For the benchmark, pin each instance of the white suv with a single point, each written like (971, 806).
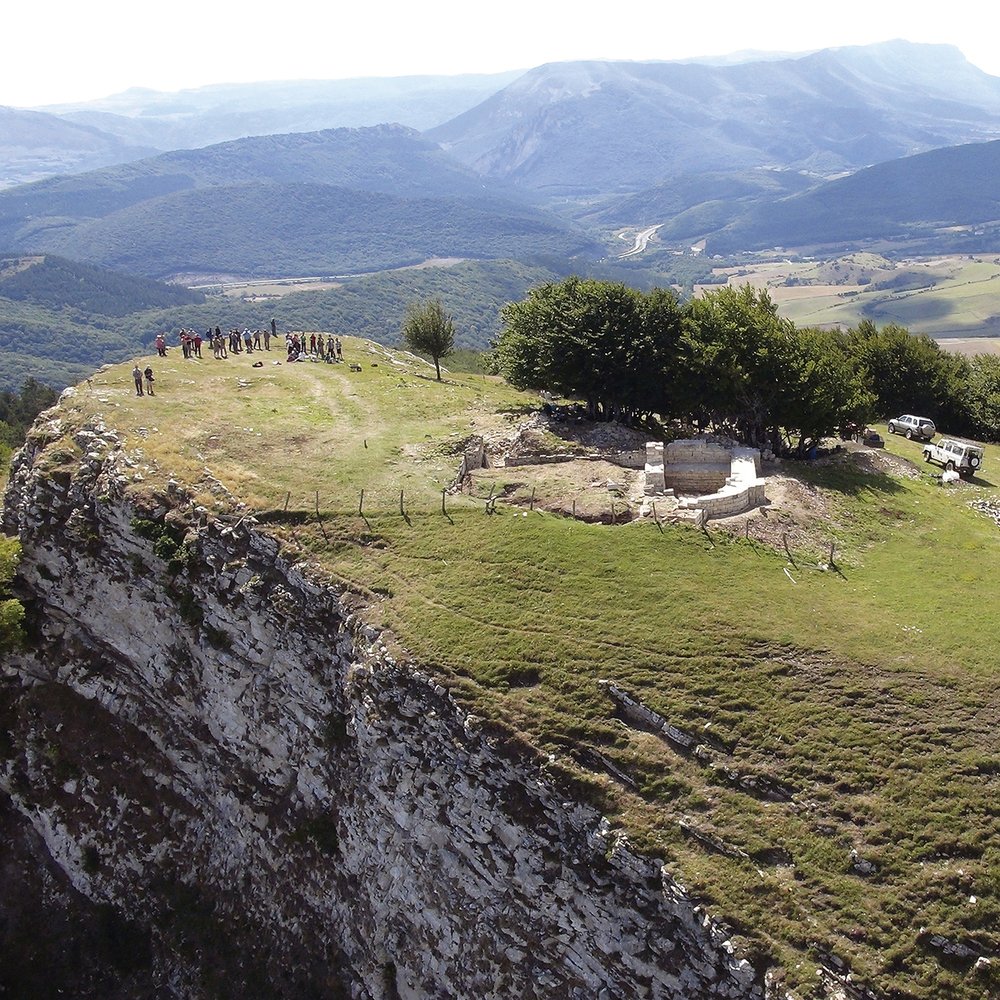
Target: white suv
(965, 459)
(913, 427)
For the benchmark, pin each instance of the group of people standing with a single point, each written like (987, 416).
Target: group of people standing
(139, 376)
(247, 341)
(238, 342)
(297, 346)
(298, 349)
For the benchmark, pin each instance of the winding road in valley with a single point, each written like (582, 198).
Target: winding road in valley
(641, 239)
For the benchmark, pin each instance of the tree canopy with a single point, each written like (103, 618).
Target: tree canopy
(429, 330)
(598, 340)
(728, 361)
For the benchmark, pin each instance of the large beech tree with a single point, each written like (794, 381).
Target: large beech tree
(599, 341)
(756, 376)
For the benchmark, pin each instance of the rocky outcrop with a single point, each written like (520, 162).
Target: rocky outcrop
(209, 746)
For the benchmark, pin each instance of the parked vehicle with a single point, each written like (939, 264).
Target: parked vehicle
(965, 459)
(913, 427)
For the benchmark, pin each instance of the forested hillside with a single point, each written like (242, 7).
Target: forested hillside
(275, 230)
(373, 307)
(390, 158)
(905, 199)
(343, 201)
(61, 344)
(62, 285)
(60, 320)
(689, 205)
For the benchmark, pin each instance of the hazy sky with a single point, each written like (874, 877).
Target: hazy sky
(66, 50)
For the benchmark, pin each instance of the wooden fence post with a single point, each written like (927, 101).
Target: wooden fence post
(788, 551)
(320, 519)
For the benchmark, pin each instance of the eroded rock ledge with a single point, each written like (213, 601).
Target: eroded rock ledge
(212, 749)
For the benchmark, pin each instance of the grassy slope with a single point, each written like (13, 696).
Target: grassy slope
(870, 692)
(946, 297)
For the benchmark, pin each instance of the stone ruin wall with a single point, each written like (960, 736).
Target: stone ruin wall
(718, 479)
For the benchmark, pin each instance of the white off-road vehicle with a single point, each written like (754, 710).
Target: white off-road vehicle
(965, 459)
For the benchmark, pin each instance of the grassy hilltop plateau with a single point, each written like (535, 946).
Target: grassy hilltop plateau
(841, 811)
(794, 709)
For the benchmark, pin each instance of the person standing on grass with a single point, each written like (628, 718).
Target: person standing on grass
(256, 340)
(340, 353)
(137, 375)
(197, 344)
(149, 379)
(161, 345)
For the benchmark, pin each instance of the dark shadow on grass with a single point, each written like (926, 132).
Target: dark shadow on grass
(851, 476)
(524, 410)
(288, 517)
(980, 481)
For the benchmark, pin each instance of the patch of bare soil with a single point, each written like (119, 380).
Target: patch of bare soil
(589, 489)
(576, 476)
(801, 515)
(566, 467)
(796, 514)
(878, 461)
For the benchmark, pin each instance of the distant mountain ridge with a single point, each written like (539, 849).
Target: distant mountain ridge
(35, 145)
(333, 202)
(575, 128)
(722, 153)
(70, 138)
(201, 116)
(586, 128)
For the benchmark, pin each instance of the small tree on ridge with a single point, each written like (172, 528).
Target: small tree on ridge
(428, 329)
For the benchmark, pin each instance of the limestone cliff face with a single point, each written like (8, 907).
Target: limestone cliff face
(208, 750)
